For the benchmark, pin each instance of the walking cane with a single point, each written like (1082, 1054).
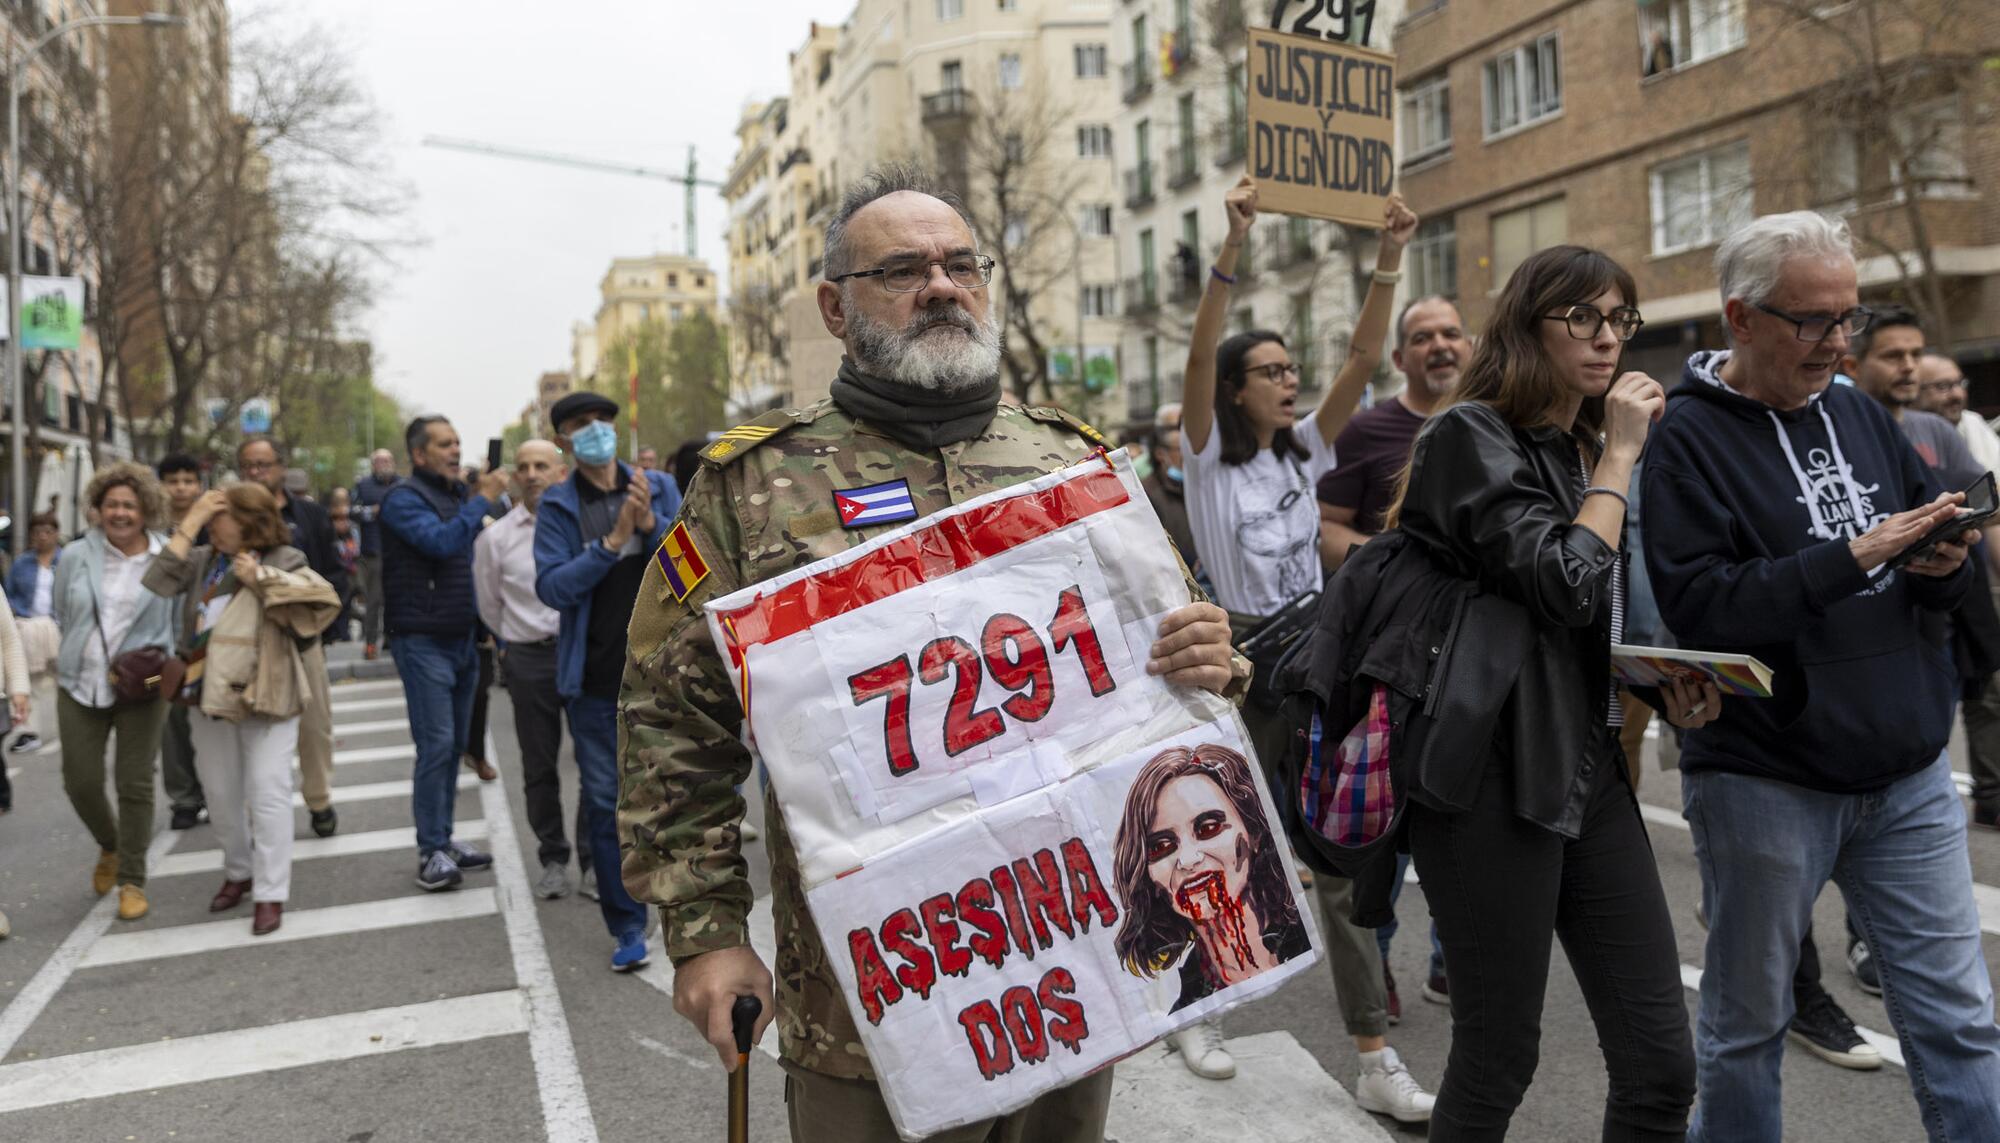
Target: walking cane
(742, 1019)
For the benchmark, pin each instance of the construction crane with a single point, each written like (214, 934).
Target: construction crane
(688, 181)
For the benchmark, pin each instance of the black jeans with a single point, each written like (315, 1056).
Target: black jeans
(1499, 888)
(538, 715)
(475, 738)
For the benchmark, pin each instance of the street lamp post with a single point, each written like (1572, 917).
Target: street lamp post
(17, 245)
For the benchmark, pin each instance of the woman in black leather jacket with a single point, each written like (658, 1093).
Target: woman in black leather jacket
(1520, 485)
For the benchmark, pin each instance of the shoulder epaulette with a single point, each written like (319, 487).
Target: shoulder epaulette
(1063, 417)
(730, 446)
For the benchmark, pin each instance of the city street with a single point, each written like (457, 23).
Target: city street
(380, 1013)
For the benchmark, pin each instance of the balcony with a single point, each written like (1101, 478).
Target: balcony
(1183, 289)
(1139, 187)
(1182, 170)
(793, 158)
(1138, 79)
(1142, 296)
(1180, 53)
(948, 108)
(1231, 143)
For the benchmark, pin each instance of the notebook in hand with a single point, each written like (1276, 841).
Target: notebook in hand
(1656, 666)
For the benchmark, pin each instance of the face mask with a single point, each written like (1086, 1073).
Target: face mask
(1174, 474)
(594, 443)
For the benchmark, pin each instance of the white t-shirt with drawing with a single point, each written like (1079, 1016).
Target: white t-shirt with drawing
(1256, 525)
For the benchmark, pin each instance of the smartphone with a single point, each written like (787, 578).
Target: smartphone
(1980, 505)
(492, 454)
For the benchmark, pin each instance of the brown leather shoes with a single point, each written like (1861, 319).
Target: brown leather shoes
(267, 918)
(229, 896)
(481, 767)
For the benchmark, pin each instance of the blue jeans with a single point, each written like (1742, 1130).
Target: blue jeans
(1387, 932)
(439, 674)
(1899, 857)
(593, 732)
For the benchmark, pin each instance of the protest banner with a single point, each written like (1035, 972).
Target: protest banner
(1027, 856)
(1322, 127)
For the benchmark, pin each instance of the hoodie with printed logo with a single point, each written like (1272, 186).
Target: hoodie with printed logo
(1749, 511)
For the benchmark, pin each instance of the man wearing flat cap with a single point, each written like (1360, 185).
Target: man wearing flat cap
(594, 534)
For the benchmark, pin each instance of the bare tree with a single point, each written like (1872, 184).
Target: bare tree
(1008, 169)
(1888, 123)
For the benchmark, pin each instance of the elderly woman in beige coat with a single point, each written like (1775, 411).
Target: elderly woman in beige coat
(248, 603)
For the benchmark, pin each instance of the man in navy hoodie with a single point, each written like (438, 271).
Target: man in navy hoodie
(593, 535)
(1774, 503)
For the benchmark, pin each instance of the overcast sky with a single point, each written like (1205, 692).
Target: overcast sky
(512, 252)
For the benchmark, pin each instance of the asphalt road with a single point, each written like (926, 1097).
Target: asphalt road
(484, 1014)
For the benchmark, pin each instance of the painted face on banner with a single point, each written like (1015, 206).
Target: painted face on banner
(1196, 849)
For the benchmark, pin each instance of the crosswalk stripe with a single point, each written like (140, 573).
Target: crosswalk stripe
(404, 753)
(383, 726)
(378, 791)
(253, 1051)
(1891, 1050)
(41, 988)
(1986, 897)
(311, 848)
(333, 921)
(359, 705)
(344, 691)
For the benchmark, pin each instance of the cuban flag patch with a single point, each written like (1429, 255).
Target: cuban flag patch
(886, 503)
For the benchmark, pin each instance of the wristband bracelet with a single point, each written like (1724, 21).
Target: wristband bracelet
(1600, 490)
(1388, 277)
(1219, 276)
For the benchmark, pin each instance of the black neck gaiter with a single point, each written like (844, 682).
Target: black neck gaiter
(915, 417)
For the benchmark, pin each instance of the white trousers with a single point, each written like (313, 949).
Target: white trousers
(246, 773)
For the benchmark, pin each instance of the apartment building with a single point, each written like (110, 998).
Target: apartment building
(1654, 130)
(1180, 139)
(661, 288)
(995, 95)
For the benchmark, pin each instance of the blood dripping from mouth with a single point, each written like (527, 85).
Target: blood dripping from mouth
(1218, 917)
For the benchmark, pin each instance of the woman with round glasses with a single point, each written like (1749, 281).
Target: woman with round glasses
(1520, 484)
(1251, 463)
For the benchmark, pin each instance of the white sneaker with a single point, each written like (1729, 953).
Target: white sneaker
(5, 928)
(750, 832)
(1202, 1049)
(1386, 1087)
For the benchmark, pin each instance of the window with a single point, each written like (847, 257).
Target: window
(951, 75)
(950, 9)
(1523, 86)
(1519, 233)
(1427, 119)
(1146, 275)
(1010, 71)
(1010, 5)
(1698, 201)
(1679, 32)
(1932, 138)
(673, 281)
(1929, 142)
(674, 313)
(1091, 61)
(1433, 259)
(1097, 220)
(1013, 148)
(1191, 231)
(645, 311)
(1098, 301)
(1093, 141)
(1152, 345)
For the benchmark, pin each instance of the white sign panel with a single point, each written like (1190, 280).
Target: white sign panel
(1028, 857)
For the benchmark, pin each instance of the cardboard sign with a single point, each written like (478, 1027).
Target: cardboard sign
(1028, 857)
(1322, 127)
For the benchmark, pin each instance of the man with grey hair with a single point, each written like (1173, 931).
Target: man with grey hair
(914, 425)
(1789, 519)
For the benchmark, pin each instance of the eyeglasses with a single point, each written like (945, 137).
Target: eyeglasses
(1275, 373)
(1944, 386)
(1585, 321)
(258, 465)
(966, 271)
(1819, 327)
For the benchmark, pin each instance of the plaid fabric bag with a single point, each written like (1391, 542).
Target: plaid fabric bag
(1345, 794)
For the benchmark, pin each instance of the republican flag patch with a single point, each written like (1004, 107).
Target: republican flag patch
(680, 562)
(885, 503)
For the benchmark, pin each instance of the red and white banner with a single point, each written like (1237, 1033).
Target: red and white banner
(1027, 856)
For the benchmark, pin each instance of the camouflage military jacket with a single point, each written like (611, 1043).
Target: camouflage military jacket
(761, 505)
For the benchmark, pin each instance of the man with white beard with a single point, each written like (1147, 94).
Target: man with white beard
(914, 425)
